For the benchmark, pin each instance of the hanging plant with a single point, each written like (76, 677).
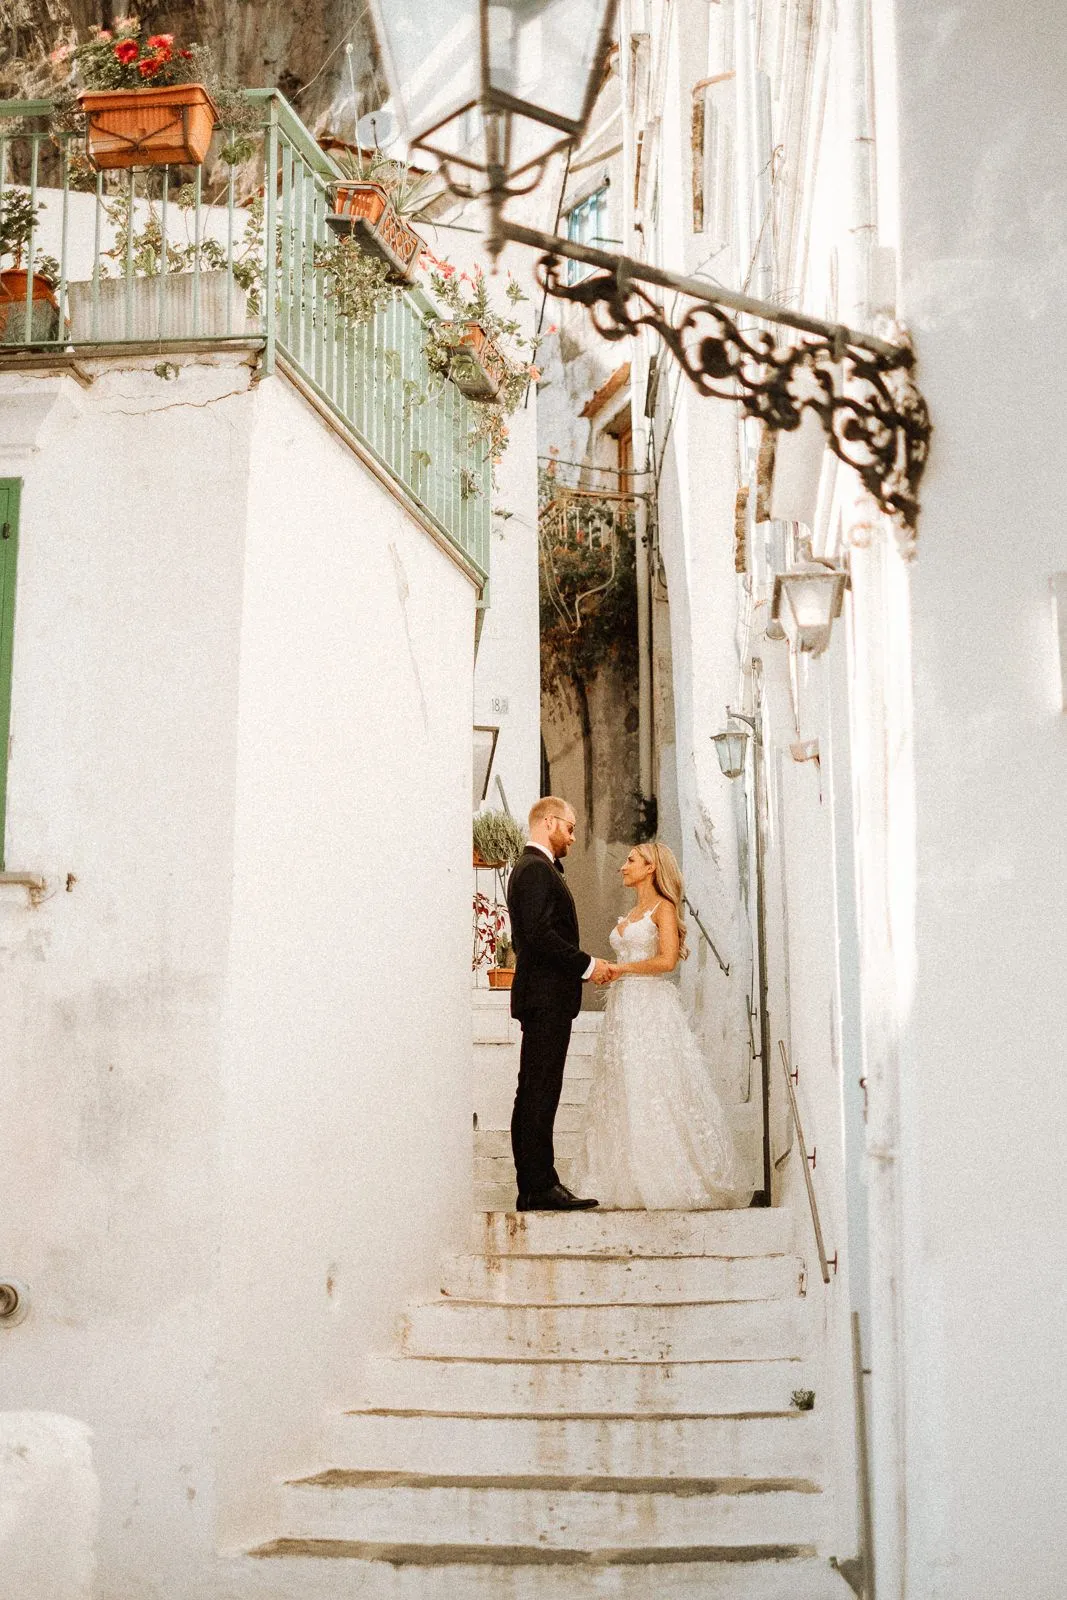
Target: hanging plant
(507, 363)
(588, 590)
(359, 284)
(498, 839)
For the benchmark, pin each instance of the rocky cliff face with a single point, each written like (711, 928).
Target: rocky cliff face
(298, 46)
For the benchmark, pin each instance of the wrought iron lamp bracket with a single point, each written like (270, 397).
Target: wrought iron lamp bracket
(861, 388)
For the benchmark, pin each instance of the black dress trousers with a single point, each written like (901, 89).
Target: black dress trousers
(545, 1037)
(545, 998)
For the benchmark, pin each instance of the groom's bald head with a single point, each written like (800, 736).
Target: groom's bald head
(552, 823)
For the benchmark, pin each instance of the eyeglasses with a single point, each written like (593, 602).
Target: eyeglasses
(568, 825)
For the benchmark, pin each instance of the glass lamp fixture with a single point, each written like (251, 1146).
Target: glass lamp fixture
(493, 88)
(805, 603)
(731, 747)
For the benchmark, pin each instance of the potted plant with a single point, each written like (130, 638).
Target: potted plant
(469, 348)
(144, 101)
(498, 840)
(475, 366)
(490, 924)
(29, 284)
(372, 205)
(502, 975)
(184, 282)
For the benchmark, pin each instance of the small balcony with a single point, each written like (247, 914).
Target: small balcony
(167, 258)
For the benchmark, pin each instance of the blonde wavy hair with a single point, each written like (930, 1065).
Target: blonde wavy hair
(667, 882)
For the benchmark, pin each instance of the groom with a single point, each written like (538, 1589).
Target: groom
(546, 996)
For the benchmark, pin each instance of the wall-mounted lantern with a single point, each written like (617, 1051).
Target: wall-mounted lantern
(805, 603)
(730, 747)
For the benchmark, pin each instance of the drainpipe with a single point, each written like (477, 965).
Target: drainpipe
(631, 20)
(642, 578)
(870, 708)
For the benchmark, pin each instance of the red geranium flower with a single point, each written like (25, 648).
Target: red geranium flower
(149, 66)
(162, 44)
(186, 55)
(127, 50)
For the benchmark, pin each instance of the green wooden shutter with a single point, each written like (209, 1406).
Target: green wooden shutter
(9, 543)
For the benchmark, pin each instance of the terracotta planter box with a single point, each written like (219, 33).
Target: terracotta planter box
(366, 211)
(477, 368)
(149, 127)
(501, 977)
(480, 861)
(44, 308)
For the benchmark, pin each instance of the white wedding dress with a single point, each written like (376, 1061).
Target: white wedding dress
(655, 1136)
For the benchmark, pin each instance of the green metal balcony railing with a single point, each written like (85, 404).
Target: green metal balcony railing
(141, 258)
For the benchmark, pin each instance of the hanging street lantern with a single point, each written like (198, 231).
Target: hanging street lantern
(493, 88)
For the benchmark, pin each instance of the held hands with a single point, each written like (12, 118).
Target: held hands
(605, 972)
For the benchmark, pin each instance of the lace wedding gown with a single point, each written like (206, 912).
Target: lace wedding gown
(655, 1136)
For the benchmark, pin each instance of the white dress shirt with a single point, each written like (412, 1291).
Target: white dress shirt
(533, 844)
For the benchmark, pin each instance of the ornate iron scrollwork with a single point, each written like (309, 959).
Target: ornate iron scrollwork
(874, 416)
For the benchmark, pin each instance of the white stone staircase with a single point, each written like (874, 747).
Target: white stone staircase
(592, 1405)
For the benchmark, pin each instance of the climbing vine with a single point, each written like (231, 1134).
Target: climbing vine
(588, 594)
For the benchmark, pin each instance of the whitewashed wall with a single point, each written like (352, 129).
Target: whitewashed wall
(346, 1061)
(983, 1106)
(237, 1050)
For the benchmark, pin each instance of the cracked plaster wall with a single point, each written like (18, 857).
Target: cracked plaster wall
(232, 1152)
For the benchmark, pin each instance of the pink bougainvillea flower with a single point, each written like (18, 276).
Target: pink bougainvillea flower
(61, 53)
(127, 50)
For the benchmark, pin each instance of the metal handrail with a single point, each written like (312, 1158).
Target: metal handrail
(221, 275)
(824, 1263)
(695, 914)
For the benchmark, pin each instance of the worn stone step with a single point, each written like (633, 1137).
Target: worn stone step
(309, 1569)
(495, 1144)
(787, 1445)
(546, 1512)
(590, 1388)
(583, 1043)
(754, 1232)
(720, 1331)
(621, 1280)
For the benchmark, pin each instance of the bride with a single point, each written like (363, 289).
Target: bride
(655, 1135)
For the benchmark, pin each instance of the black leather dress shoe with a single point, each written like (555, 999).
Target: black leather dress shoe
(555, 1199)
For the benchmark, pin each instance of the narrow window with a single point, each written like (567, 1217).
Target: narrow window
(585, 225)
(9, 539)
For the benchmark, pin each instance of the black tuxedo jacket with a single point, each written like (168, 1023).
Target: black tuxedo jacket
(549, 961)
